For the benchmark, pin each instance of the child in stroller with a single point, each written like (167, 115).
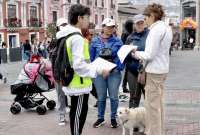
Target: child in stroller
(34, 79)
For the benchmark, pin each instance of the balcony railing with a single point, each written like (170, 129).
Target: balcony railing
(12, 22)
(34, 22)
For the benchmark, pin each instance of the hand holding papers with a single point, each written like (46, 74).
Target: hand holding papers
(124, 51)
(103, 64)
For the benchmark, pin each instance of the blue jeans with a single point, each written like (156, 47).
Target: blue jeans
(27, 55)
(62, 99)
(110, 84)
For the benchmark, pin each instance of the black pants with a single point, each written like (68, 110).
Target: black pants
(1, 76)
(78, 113)
(125, 80)
(136, 90)
(94, 91)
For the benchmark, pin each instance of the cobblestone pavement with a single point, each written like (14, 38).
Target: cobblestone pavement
(182, 99)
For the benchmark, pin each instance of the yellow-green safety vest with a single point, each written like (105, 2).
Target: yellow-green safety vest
(77, 81)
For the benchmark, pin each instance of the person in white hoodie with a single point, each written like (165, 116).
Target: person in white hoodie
(63, 107)
(156, 56)
(78, 52)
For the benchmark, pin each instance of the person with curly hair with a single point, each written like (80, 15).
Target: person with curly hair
(156, 56)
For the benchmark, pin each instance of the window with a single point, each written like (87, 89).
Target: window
(88, 2)
(33, 12)
(12, 20)
(96, 19)
(102, 3)
(78, 1)
(102, 18)
(34, 20)
(12, 11)
(54, 16)
(95, 3)
(1, 40)
(12, 41)
(112, 4)
(33, 37)
(111, 17)
(69, 1)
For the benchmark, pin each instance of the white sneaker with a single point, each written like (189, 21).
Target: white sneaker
(67, 109)
(4, 80)
(62, 120)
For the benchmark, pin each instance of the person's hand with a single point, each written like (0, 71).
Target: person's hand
(133, 55)
(105, 73)
(134, 50)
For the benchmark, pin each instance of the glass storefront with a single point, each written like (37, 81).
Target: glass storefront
(188, 33)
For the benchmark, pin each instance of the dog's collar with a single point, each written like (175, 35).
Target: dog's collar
(124, 122)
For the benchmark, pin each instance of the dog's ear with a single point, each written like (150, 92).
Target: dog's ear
(127, 110)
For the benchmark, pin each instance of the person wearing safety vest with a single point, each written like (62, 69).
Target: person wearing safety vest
(78, 52)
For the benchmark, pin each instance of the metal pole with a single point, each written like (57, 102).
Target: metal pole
(181, 18)
(197, 21)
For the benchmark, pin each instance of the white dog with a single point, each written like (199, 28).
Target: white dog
(132, 118)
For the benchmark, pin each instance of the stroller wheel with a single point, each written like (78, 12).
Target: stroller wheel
(51, 104)
(15, 109)
(41, 109)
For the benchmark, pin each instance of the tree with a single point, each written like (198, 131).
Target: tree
(51, 30)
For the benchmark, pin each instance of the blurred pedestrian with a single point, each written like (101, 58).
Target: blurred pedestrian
(128, 29)
(2, 69)
(63, 106)
(27, 50)
(4, 45)
(88, 34)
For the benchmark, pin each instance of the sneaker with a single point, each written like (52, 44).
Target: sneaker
(123, 98)
(99, 123)
(62, 120)
(125, 90)
(96, 104)
(67, 109)
(4, 80)
(114, 123)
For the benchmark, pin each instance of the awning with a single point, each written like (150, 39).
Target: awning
(188, 23)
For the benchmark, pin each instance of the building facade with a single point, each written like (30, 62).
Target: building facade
(28, 19)
(127, 9)
(53, 9)
(100, 9)
(21, 20)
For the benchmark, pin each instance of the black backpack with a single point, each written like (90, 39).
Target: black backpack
(62, 69)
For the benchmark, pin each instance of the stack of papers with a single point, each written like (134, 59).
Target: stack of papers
(103, 64)
(124, 51)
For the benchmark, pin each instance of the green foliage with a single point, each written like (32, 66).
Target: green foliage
(51, 30)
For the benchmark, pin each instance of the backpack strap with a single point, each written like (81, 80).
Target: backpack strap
(63, 51)
(62, 43)
(66, 58)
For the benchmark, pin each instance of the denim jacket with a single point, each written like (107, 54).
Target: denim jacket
(113, 42)
(137, 39)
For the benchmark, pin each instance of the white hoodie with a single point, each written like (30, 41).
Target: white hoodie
(157, 47)
(80, 66)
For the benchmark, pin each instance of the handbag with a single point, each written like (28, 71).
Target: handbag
(106, 53)
(141, 79)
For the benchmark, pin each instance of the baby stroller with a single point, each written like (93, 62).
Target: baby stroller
(34, 79)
